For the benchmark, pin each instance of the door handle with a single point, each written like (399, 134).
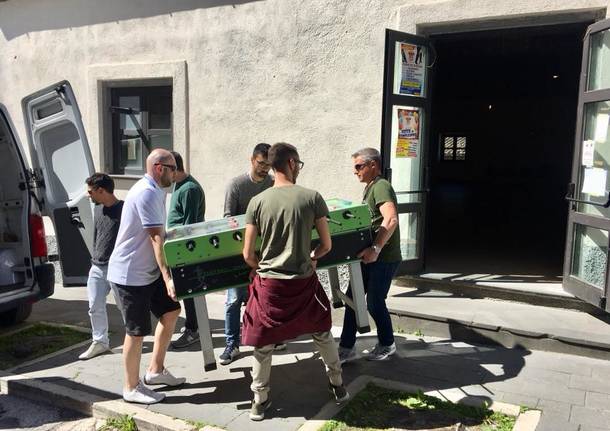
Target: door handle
(570, 198)
(75, 218)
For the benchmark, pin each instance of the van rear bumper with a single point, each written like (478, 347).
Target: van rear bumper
(45, 286)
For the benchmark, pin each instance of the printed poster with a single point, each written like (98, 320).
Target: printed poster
(588, 153)
(413, 69)
(408, 133)
(594, 183)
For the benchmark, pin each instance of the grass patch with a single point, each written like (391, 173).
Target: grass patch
(36, 341)
(376, 408)
(120, 423)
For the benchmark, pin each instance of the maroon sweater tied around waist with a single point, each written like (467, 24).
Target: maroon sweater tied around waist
(282, 309)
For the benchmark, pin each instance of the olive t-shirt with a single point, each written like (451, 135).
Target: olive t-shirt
(284, 217)
(377, 193)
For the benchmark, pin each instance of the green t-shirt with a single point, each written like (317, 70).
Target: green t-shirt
(376, 194)
(187, 205)
(284, 217)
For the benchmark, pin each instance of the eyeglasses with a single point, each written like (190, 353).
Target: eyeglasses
(263, 164)
(359, 166)
(170, 167)
(300, 163)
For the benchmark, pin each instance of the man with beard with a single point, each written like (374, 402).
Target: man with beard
(240, 191)
(286, 298)
(107, 216)
(142, 279)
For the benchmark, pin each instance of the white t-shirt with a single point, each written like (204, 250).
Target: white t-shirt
(133, 262)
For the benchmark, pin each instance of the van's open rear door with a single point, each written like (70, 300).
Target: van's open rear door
(60, 151)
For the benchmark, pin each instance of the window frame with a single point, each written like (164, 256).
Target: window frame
(145, 93)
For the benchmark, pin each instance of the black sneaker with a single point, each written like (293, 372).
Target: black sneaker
(187, 338)
(257, 412)
(339, 392)
(231, 352)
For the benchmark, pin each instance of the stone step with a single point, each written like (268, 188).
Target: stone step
(492, 321)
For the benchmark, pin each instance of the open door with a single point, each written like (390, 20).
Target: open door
(585, 272)
(404, 137)
(60, 152)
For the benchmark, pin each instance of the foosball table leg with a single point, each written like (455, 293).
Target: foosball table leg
(205, 333)
(335, 287)
(358, 297)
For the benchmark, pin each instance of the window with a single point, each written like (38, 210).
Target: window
(454, 147)
(141, 122)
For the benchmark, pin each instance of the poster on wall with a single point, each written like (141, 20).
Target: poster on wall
(413, 69)
(408, 133)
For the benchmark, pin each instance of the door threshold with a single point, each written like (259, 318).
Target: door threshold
(535, 290)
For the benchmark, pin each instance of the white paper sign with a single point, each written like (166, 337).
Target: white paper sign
(594, 183)
(588, 153)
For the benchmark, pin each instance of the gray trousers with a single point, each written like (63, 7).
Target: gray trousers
(261, 368)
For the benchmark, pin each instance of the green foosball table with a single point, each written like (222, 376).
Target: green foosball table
(207, 257)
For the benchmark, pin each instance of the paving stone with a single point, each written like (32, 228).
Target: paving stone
(590, 384)
(587, 428)
(555, 408)
(596, 400)
(551, 423)
(559, 362)
(590, 417)
(552, 392)
(520, 400)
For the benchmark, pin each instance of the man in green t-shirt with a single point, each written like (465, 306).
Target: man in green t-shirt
(379, 261)
(286, 299)
(187, 206)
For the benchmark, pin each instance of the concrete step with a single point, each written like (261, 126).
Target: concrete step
(546, 292)
(492, 321)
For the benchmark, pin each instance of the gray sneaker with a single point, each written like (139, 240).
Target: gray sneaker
(257, 412)
(346, 355)
(231, 352)
(187, 338)
(380, 353)
(339, 392)
(163, 378)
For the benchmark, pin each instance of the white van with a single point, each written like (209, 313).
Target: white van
(53, 186)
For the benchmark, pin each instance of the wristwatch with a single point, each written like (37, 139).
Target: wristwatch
(376, 248)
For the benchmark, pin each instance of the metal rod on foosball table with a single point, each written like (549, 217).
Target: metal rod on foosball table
(358, 298)
(205, 333)
(335, 287)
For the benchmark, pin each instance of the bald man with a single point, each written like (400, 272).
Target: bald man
(141, 277)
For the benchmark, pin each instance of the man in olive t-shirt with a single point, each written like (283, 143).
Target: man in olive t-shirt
(187, 206)
(286, 298)
(379, 261)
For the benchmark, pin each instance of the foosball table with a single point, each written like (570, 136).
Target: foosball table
(207, 257)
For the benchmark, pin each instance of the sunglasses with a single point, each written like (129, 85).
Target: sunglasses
(170, 167)
(359, 166)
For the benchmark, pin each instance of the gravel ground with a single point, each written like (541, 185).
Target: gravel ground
(19, 413)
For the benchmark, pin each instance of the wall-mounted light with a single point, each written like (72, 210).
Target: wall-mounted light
(490, 106)
(555, 76)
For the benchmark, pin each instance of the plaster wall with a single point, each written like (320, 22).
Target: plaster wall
(305, 72)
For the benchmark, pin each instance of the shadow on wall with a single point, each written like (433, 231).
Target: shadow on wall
(18, 17)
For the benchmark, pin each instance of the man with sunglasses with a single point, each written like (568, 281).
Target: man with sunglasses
(106, 216)
(142, 279)
(379, 261)
(240, 191)
(187, 206)
(286, 298)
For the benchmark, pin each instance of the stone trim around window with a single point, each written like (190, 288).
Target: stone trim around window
(102, 77)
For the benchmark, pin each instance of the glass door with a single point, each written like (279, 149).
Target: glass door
(405, 135)
(586, 258)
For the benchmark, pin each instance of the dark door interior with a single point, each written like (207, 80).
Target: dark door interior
(503, 125)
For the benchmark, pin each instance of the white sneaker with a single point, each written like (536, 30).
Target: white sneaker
(94, 350)
(163, 378)
(142, 395)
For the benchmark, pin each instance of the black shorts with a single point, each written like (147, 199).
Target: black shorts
(137, 302)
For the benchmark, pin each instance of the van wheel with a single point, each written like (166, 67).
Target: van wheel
(16, 315)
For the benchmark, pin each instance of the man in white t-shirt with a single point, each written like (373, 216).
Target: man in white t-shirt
(141, 277)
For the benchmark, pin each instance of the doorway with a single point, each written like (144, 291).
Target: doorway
(502, 135)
